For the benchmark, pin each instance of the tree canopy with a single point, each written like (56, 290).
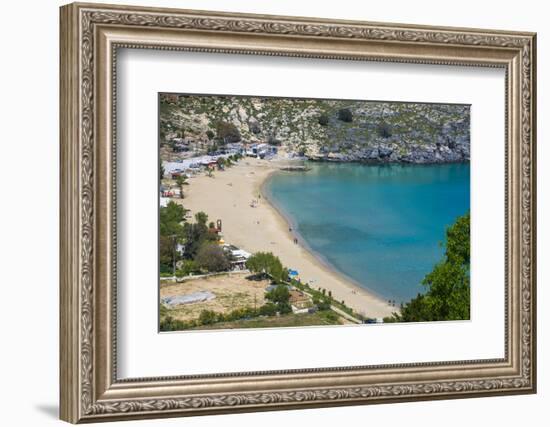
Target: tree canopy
(227, 132)
(212, 258)
(323, 119)
(448, 285)
(171, 218)
(197, 234)
(172, 232)
(267, 263)
(280, 296)
(345, 115)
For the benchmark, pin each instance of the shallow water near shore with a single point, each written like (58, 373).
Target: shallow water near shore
(383, 226)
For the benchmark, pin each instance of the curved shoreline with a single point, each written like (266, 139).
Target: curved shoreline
(302, 241)
(254, 223)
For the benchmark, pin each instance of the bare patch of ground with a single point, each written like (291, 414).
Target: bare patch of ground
(232, 291)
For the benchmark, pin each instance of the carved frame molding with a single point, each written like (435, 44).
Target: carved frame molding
(90, 37)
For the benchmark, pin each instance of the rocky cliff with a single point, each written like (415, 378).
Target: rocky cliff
(334, 130)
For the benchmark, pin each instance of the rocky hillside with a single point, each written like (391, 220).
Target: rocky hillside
(334, 130)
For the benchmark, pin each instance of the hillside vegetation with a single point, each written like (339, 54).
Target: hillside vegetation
(322, 129)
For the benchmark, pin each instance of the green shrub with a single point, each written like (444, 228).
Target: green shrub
(187, 267)
(284, 308)
(272, 140)
(267, 263)
(240, 313)
(211, 257)
(227, 132)
(208, 317)
(331, 316)
(170, 324)
(278, 295)
(268, 309)
(384, 130)
(345, 115)
(323, 119)
(448, 285)
(323, 305)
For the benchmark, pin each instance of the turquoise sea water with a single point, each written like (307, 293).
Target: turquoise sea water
(382, 226)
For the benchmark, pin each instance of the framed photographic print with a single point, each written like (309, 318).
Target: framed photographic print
(265, 212)
(307, 212)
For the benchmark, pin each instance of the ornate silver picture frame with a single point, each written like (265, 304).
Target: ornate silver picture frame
(91, 34)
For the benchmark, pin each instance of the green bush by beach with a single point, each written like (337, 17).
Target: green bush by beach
(265, 263)
(448, 285)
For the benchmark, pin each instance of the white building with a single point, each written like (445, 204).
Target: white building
(190, 165)
(261, 150)
(239, 256)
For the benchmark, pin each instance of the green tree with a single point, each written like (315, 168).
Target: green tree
(280, 296)
(448, 285)
(181, 180)
(171, 218)
(161, 170)
(168, 254)
(172, 233)
(458, 241)
(323, 119)
(267, 263)
(345, 115)
(227, 132)
(201, 218)
(322, 303)
(197, 234)
(212, 258)
(186, 267)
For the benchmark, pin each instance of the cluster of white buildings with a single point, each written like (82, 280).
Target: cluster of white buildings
(192, 165)
(261, 150)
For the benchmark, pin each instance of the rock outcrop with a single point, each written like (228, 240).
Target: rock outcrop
(325, 130)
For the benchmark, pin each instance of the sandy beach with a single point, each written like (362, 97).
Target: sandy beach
(228, 196)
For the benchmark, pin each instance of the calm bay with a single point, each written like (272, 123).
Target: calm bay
(382, 226)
